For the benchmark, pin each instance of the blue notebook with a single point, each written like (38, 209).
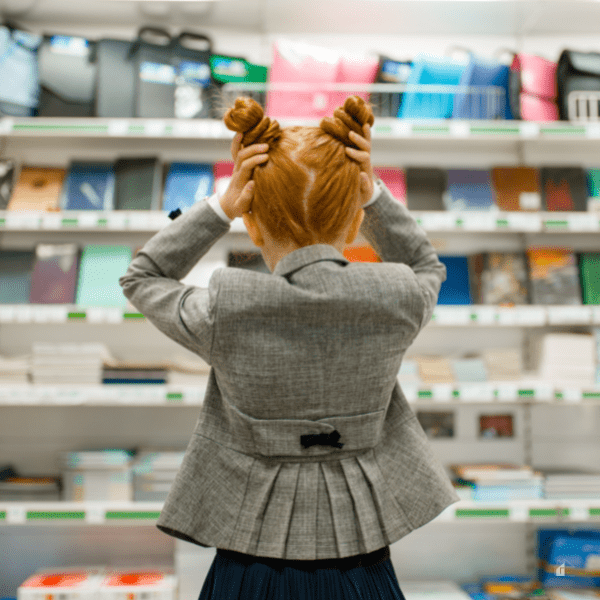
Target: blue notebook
(16, 267)
(186, 184)
(89, 186)
(101, 267)
(469, 189)
(455, 290)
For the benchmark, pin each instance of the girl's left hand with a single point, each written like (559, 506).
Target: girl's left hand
(237, 199)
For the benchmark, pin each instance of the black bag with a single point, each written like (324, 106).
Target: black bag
(193, 81)
(154, 73)
(115, 89)
(577, 72)
(67, 71)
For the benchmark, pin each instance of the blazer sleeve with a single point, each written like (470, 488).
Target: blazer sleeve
(185, 313)
(395, 235)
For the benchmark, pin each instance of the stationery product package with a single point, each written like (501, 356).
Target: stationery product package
(469, 189)
(115, 89)
(37, 189)
(504, 280)
(517, 188)
(54, 277)
(554, 276)
(564, 188)
(186, 184)
(425, 187)
(89, 186)
(457, 288)
(137, 184)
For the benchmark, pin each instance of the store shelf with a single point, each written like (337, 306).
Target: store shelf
(384, 128)
(518, 392)
(443, 316)
(433, 221)
(146, 513)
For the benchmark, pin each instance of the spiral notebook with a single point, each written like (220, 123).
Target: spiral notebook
(54, 276)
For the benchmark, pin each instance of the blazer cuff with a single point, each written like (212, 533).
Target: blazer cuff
(376, 193)
(216, 206)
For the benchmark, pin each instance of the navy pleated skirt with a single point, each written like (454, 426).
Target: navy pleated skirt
(238, 576)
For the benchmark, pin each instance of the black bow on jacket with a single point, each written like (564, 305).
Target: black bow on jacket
(325, 439)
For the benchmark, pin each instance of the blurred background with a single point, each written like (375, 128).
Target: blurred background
(487, 128)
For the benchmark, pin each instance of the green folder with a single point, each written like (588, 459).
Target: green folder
(589, 264)
(593, 177)
(101, 267)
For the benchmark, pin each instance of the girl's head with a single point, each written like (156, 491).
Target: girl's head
(308, 192)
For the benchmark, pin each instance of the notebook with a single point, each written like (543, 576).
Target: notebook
(425, 187)
(554, 276)
(15, 276)
(469, 189)
(89, 186)
(54, 276)
(137, 184)
(394, 179)
(517, 188)
(7, 176)
(222, 171)
(564, 188)
(456, 289)
(101, 267)
(589, 265)
(37, 189)
(504, 280)
(186, 184)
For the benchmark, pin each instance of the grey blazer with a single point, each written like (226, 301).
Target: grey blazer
(305, 447)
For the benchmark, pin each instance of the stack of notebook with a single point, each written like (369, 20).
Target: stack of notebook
(14, 369)
(69, 363)
(435, 369)
(503, 364)
(25, 489)
(563, 483)
(153, 474)
(568, 357)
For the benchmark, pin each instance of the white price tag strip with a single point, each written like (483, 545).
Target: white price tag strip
(524, 221)
(6, 125)
(118, 127)
(479, 221)
(154, 127)
(117, 220)
(139, 220)
(483, 315)
(562, 315)
(533, 316)
(452, 315)
(506, 315)
(460, 129)
(529, 129)
(592, 130)
(52, 221)
(88, 219)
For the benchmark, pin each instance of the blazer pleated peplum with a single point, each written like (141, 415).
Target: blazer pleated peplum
(305, 447)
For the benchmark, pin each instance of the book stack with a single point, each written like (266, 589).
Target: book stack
(564, 483)
(71, 363)
(503, 364)
(154, 473)
(568, 358)
(435, 369)
(134, 373)
(500, 481)
(14, 369)
(27, 489)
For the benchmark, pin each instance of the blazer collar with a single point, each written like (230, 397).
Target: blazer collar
(307, 255)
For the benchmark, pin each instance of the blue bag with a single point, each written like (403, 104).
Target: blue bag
(487, 104)
(19, 80)
(430, 105)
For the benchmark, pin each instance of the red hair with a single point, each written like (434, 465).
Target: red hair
(309, 189)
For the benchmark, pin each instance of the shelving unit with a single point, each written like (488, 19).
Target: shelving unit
(553, 425)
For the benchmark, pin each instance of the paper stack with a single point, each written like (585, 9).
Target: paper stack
(74, 363)
(566, 482)
(568, 358)
(14, 369)
(435, 369)
(503, 364)
(154, 473)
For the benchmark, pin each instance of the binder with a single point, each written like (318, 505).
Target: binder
(89, 186)
(564, 188)
(7, 178)
(101, 268)
(554, 276)
(15, 276)
(37, 189)
(54, 277)
(469, 189)
(186, 184)
(425, 187)
(456, 289)
(589, 264)
(137, 184)
(517, 188)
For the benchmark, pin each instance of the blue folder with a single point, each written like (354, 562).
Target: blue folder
(186, 184)
(430, 105)
(469, 189)
(89, 186)
(485, 105)
(456, 289)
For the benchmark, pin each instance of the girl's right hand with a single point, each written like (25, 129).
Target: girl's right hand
(363, 157)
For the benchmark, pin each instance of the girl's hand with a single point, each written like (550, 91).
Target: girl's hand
(237, 199)
(363, 157)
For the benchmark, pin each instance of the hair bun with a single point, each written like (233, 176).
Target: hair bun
(352, 116)
(248, 117)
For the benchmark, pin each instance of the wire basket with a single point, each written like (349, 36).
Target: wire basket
(414, 101)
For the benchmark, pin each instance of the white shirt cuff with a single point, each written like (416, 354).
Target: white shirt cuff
(376, 191)
(216, 206)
